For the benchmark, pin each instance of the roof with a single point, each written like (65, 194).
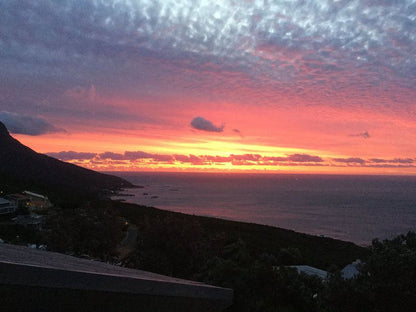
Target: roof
(35, 195)
(310, 270)
(17, 196)
(4, 201)
(351, 270)
(26, 266)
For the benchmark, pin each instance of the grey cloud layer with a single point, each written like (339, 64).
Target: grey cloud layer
(299, 36)
(30, 125)
(303, 48)
(214, 28)
(72, 155)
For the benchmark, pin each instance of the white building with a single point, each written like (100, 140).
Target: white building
(311, 271)
(352, 269)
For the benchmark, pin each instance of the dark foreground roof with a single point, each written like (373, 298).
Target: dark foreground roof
(34, 280)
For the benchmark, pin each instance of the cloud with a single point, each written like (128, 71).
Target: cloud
(195, 160)
(302, 39)
(133, 155)
(393, 161)
(402, 161)
(238, 132)
(82, 93)
(364, 135)
(29, 125)
(304, 158)
(351, 160)
(251, 51)
(248, 157)
(141, 158)
(203, 124)
(390, 166)
(111, 155)
(163, 158)
(294, 158)
(218, 159)
(71, 155)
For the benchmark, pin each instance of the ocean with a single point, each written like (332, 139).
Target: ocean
(350, 208)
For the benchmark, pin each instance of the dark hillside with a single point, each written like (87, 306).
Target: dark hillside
(289, 246)
(23, 168)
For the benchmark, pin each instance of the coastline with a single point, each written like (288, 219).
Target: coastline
(353, 208)
(318, 251)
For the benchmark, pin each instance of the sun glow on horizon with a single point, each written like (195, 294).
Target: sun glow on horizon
(207, 155)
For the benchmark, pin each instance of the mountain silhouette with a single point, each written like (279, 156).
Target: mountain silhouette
(22, 168)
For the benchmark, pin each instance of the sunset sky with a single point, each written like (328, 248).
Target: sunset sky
(247, 85)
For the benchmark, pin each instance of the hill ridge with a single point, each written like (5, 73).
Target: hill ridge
(21, 167)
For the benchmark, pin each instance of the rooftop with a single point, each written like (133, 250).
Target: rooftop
(57, 278)
(35, 195)
(4, 201)
(311, 271)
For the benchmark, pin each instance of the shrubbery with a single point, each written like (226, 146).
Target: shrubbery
(176, 246)
(237, 256)
(95, 232)
(387, 281)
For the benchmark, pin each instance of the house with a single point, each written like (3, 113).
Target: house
(308, 270)
(20, 201)
(351, 270)
(7, 206)
(37, 202)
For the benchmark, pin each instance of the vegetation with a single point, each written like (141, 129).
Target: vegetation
(251, 259)
(212, 234)
(387, 280)
(87, 230)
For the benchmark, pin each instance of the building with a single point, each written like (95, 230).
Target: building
(308, 270)
(7, 206)
(351, 270)
(37, 202)
(20, 201)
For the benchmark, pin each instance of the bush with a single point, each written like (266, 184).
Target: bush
(92, 231)
(386, 283)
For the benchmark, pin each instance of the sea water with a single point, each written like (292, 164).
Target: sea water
(351, 208)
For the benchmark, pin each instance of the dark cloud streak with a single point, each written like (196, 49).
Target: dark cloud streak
(364, 135)
(71, 155)
(350, 160)
(203, 124)
(29, 125)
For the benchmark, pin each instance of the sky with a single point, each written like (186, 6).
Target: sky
(194, 85)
